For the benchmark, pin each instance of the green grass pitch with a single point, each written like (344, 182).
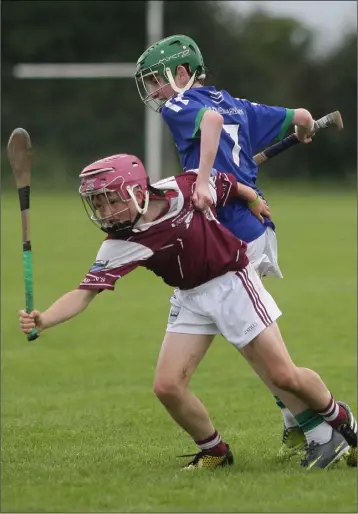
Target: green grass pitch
(82, 430)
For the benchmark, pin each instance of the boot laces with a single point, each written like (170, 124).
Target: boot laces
(309, 450)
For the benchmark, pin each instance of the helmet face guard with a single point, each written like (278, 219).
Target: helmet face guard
(109, 182)
(148, 84)
(109, 223)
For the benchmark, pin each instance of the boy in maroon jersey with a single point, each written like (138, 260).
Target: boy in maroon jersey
(217, 291)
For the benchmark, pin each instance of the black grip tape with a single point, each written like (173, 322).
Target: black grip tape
(24, 197)
(281, 146)
(26, 246)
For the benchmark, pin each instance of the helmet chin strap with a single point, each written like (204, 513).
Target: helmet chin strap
(140, 210)
(120, 229)
(176, 88)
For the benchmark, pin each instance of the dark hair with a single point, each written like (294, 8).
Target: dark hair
(155, 191)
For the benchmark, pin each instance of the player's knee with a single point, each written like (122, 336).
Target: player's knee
(167, 389)
(286, 378)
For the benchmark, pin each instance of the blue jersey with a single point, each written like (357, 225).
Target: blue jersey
(248, 127)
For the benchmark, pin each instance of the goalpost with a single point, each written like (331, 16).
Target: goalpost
(153, 124)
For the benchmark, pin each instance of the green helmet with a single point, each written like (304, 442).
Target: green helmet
(162, 59)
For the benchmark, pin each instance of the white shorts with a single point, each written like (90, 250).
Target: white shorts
(262, 253)
(235, 305)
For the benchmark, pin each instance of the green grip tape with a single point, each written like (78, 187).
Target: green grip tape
(29, 289)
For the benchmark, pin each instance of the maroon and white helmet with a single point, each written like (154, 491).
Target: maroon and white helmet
(121, 173)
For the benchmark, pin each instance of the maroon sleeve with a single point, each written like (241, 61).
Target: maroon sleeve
(226, 188)
(105, 278)
(115, 259)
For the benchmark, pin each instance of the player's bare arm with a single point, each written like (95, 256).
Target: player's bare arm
(304, 124)
(63, 309)
(210, 127)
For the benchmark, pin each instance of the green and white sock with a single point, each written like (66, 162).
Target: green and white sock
(314, 427)
(289, 419)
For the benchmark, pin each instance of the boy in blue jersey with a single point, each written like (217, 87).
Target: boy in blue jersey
(216, 131)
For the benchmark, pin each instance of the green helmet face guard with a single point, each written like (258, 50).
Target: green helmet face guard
(149, 87)
(162, 60)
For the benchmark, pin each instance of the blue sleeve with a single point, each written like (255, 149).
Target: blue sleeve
(183, 117)
(266, 123)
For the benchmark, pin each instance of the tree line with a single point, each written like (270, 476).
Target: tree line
(262, 58)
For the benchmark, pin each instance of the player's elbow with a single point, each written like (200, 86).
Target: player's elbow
(212, 118)
(303, 118)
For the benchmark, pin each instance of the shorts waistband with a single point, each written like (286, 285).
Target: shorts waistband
(207, 285)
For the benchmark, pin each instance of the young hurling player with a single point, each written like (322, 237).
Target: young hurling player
(218, 291)
(213, 129)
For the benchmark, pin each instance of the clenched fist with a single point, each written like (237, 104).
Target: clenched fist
(304, 135)
(30, 321)
(202, 198)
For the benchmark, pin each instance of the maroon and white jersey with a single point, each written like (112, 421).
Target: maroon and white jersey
(183, 246)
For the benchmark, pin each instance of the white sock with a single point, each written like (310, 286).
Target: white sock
(321, 434)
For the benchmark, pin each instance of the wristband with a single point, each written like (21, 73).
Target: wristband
(254, 202)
